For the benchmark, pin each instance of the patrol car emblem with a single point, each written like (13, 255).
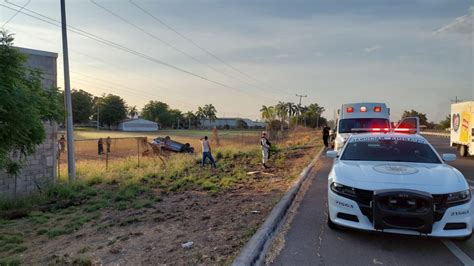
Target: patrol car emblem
(395, 169)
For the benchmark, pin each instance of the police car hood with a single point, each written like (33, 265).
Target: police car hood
(432, 178)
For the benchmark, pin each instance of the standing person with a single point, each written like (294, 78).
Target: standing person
(206, 152)
(265, 144)
(100, 146)
(108, 142)
(326, 135)
(62, 143)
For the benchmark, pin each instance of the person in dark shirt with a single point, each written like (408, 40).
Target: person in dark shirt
(100, 146)
(326, 135)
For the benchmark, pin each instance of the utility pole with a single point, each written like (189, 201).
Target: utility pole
(71, 163)
(98, 114)
(301, 96)
(456, 100)
(299, 105)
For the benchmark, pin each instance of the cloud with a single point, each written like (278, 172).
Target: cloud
(280, 56)
(460, 25)
(372, 49)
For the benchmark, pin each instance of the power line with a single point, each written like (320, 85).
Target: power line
(164, 42)
(121, 47)
(195, 44)
(16, 13)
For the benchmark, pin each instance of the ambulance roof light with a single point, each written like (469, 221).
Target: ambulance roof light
(377, 109)
(363, 109)
(350, 109)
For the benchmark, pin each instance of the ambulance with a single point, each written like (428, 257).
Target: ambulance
(462, 127)
(357, 118)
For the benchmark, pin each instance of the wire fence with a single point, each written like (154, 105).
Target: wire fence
(105, 150)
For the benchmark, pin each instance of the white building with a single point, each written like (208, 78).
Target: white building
(231, 123)
(138, 125)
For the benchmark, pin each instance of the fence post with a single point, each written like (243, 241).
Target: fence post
(107, 160)
(59, 164)
(138, 151)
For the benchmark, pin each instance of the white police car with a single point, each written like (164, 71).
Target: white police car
(398, 183)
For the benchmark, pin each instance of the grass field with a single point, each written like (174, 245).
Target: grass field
(88, 133)
(141, 214)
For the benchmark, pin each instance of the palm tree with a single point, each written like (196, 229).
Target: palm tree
(282, 113)
(200, 114)
(268, 114)
(210, 112)
(132, 111)
(190, 118)
(315, 111)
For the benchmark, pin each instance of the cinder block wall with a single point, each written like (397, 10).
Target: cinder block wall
(39, 169)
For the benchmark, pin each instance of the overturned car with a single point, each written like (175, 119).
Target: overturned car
(168, 144)
(398, 183)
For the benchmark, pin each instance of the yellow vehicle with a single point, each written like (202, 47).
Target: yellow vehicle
(462, 127)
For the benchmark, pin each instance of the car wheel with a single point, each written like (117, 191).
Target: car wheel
(463, 150)
(331, 224)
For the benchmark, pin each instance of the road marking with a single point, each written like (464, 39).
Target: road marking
(465, 259)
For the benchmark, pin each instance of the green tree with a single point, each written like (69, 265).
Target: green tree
(161, 113)
(82, 106)
(210, 112)
(268, 114)
(113, 109)
(446, 123)
(200, 114)
(191, 119)
(176, 118)
(282, 111)
(24, 106)
(312, 115)
(412, 113)
(132, 111)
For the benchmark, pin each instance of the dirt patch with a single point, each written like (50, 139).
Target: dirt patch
(182, 227)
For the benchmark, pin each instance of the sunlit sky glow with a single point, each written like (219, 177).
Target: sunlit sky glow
(411, 54)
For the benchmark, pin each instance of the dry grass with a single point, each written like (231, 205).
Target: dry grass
(65, 208)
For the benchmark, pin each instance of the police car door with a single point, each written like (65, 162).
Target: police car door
(409, 125)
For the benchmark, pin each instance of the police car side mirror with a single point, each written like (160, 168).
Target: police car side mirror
(331, 154)
(449, 157)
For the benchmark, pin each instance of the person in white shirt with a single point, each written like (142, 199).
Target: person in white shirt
(265, 144)
(206, 152)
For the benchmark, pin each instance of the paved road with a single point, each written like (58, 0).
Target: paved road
(310, 242)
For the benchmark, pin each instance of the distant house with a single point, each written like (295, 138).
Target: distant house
(229, 123)
(137, 125)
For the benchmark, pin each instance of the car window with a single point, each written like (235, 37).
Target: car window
(347, 125)
(393, 149)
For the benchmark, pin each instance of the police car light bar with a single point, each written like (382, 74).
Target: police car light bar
(380, 129)
(376, 129)
(405, 130)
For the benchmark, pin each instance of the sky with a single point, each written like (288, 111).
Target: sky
(242, 54)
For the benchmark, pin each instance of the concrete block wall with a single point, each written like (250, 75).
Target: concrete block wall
(39, 170)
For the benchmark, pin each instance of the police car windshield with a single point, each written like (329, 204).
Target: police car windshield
(390, 149)
(352, 125)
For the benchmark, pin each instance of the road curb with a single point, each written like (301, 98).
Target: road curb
(253, 253)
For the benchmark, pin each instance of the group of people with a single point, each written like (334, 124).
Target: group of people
(207, 153)
(100, 145)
